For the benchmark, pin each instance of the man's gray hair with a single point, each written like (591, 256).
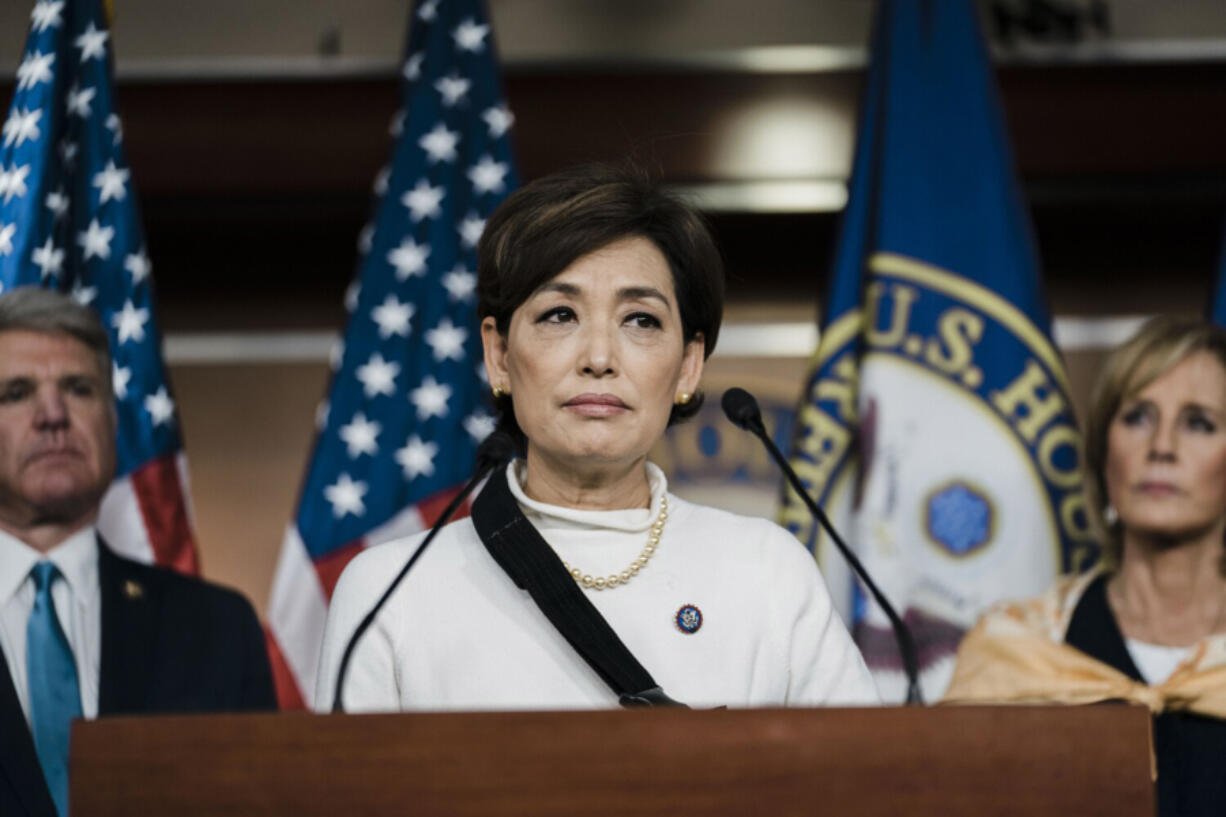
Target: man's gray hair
(34, 309)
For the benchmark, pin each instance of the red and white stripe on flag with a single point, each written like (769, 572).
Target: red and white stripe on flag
(146, 515)
(302, 588)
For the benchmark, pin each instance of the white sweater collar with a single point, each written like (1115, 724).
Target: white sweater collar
(630, 520)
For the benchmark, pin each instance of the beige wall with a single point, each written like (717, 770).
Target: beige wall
(248, 430)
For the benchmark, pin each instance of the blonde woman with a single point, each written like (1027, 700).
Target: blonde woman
(1148, 625)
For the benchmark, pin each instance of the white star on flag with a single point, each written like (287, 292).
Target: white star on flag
(82, 294)
(460, 283)
(352, 293)
(21, 125)
(57, 203)
(346, 496)
(470, 230)
(440, 144)
(417, 457)
(129, 322)
(469, 36)
(321, 414)
(35, 68)
(46, 14)
(79, 100)
(337, 354)
(360, 435)
(393, 317)
(138, 264)
(499, 120)
(428, 10)
(7, 231)
(487, 175)
(160, 407)
(116, 127)
(430, 398)
(110, 183)
(381, 179)
(396, 127)
(48, 258)
(366, 238)
(378, 376)
(92, 43)
(68, 153)
(409, 259)
(423, 200)
(96, 241)
(412, 67)
(479, 425)
(447, 340)
(120, 377)
(13, 182)
(452, 89)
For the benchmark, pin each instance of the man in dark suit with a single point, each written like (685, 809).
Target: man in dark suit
(83, 631)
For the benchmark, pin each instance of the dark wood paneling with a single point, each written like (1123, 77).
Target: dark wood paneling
(950, 761)
(259, 188)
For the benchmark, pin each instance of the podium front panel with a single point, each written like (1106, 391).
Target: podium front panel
(1048, 761)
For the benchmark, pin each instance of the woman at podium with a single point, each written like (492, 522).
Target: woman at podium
(1149, 624)
(579, 577)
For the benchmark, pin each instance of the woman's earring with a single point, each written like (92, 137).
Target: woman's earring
(499, 391)
(1110, 515)
(684, 398)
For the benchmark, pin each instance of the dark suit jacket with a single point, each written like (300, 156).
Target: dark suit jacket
(170, 643)
(1190, 749)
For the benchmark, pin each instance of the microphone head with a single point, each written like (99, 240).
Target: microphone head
(494, 450)
(741, 408)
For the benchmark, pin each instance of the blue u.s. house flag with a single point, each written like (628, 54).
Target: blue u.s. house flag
(936, 426)
(407, 406)
(69, 221)
(1217, 301)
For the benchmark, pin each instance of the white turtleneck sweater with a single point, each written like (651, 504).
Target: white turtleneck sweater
(459, 635)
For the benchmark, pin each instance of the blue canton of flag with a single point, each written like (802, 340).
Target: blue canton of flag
(936, 425)
(69, 221)
(1217, 302)
(407, 406)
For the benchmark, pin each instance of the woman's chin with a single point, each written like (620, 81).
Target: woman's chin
(1168, 532)
(583, 455)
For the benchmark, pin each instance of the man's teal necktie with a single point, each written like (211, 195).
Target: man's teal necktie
(55, 695)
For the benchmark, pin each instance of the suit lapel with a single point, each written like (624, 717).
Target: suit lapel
(129, 624)
(18, 760)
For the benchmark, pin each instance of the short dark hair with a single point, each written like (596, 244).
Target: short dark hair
(547, 225)
(35, 309)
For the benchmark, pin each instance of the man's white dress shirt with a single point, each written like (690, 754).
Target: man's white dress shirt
(78, 604)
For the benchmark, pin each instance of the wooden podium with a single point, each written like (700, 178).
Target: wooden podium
(940, 761)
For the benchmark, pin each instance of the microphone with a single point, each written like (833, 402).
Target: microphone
(742, 410)
(495, 450)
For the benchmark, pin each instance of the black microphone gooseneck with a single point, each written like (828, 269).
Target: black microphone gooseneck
(742, 409)
(493, 452)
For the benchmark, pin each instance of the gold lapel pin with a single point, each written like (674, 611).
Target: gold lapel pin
(132, 589)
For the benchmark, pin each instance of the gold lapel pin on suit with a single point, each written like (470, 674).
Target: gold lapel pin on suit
(132, 589)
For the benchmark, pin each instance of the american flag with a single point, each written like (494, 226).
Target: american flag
(407, 405)
(69, 221)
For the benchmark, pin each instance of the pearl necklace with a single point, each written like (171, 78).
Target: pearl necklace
(614, 579)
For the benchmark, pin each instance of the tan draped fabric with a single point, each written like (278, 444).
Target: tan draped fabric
(1016, 655)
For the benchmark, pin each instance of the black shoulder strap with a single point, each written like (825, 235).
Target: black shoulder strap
(531, 563)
